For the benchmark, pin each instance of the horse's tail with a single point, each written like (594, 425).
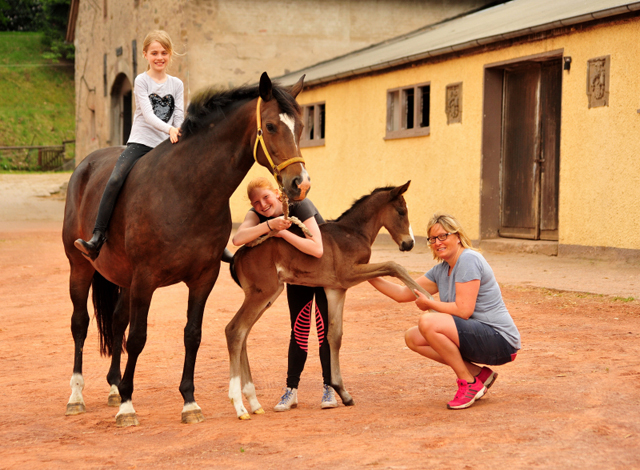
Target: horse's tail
(105, 299)
(228, 257)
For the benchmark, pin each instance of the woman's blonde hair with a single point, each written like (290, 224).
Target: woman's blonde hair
(262, 183)
(165, 41)
(450, 224)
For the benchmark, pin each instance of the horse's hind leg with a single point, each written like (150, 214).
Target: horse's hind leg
(335, 300)
(198, 294)
(140, 298)
(79, 283)
(120, 323)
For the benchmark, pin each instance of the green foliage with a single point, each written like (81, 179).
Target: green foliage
(46, 16)
(21, 15)
(37, 97)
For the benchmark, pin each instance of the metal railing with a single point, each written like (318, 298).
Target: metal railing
(49, 157)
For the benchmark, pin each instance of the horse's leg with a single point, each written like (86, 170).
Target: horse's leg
(363, 272)
(335, 300)
(198, 294)
(120, 323)
(79, 284)
(237, 332)
(140, 295)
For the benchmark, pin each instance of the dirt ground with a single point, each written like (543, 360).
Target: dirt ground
(570, 400)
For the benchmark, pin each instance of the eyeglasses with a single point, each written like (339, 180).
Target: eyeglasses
(442, 237)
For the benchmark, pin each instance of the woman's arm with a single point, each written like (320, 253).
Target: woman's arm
(463, 307)
(401, 293)
(178, 112)
(251, 228)
(309, 245)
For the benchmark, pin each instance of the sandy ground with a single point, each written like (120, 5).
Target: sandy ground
(570, 400)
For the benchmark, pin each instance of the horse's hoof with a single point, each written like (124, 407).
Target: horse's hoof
(126, 419)
(114, 400)
(244, 417)
(75, 409)
(259, 411)
(349, 402)
(192, 417)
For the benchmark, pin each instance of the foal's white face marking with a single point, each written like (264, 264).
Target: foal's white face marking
(411, 233)
(290, 123)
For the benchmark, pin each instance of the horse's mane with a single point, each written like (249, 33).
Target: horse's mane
(354, 206)
(211, 105)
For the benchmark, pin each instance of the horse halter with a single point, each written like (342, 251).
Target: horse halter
(275, 169)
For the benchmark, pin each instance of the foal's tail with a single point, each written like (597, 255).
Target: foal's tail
(105, 299)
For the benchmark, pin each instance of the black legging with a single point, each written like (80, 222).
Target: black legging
(125, 163)
(300, 302)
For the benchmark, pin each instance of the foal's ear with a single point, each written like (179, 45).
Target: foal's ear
(265, 87)
(297, 88)
(400, 190)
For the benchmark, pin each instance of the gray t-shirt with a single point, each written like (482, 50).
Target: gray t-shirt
(159, 106)
(490, 308)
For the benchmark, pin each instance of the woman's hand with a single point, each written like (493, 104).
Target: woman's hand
(279, 224)
(422, 301)
(174, 133)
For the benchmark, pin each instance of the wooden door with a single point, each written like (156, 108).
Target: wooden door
(530, 150)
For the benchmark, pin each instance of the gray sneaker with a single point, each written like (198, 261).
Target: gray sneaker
(329, 398)
(288, 400)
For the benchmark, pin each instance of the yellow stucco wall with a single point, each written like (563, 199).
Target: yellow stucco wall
(599, 202)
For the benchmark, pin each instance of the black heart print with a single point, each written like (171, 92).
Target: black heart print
(162, 107)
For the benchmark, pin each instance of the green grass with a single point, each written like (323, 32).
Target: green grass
(37, 98)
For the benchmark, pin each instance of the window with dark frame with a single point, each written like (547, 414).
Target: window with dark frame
(313, 116)
(408, 111)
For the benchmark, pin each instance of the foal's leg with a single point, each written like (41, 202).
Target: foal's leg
(79, 283)
(198, 294)
(335, 299)
(237, 332)
(363, 272)
(120, 323)
(140, 299)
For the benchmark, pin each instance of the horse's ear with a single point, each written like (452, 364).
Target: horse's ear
(265, 87)
(297, 88)
(400, 190)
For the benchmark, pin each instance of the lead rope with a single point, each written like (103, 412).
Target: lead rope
(293, 219)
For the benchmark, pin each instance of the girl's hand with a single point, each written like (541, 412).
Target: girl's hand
(279, 224)
(174, 133)
(422, 301)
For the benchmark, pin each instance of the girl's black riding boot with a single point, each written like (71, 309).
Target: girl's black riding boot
(91, 249)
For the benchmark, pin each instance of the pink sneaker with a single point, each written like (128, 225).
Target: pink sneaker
(487, 377)
(467, 394)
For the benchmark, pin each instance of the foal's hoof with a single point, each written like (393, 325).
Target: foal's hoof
(244, 417)
(75, 409)
(259, 411)
(192, 416)
(127, 419)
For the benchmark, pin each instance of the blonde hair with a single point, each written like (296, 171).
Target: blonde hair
(165, 41)
(262, 183)
(450, 224)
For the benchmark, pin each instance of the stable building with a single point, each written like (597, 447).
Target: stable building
(223, 43)
(520, 119)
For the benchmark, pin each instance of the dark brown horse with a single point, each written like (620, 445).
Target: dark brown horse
(171, 224)
(262, 271)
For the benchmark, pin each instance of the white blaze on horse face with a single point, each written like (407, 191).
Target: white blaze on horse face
(411, 233)
(290, 123)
